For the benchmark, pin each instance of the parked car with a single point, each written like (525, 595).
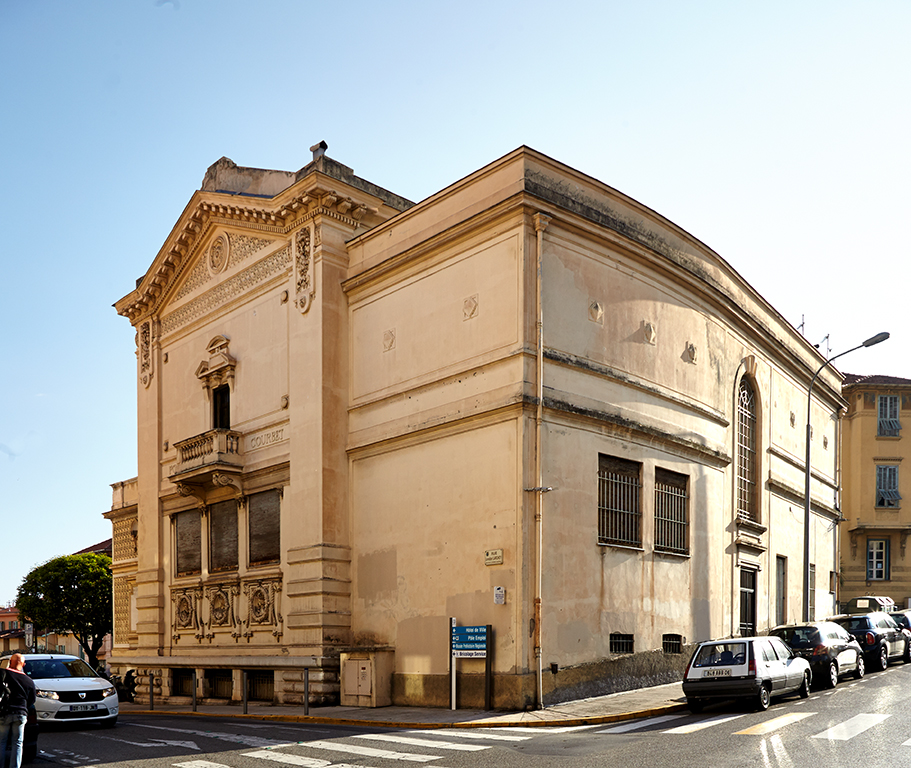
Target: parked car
(829, 648)
(902, 618)
(879, 636)
(754, 667)
(69, 690)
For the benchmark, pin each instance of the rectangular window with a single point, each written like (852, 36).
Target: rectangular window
(619, 513)
(888, 425)
(223, 536)
(747, 602)
(620, 643)
(264, 517)
(189, 542)
(671, 512)
(781, 589)
(672, 643)
(877, 559)
(887, 485)
(181, 682)
(221, 407)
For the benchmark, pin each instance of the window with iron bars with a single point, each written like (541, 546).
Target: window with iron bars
(620, 643)
(671, 512)
(672, 643)
(746, 452)
(888, 424)
(619, 511)
(887, 486)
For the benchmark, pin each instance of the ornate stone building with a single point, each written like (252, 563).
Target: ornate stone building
(528, 402)
(876, 519)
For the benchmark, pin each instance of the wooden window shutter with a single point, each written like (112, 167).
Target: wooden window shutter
(264, 512)
(189, 542)
(223, 536)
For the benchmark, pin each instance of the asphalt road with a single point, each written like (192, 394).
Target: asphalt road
(866, 723)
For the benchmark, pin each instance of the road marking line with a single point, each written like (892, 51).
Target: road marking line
(286, 759)
(421, 742)
(635, 725)
(473, 734)
(200, 764)
(247, 740)
(850, 728)
(693, 727)
(368, 751)
(774, 724)
(548, 729)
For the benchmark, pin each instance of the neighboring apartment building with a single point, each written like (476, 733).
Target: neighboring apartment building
(876, 479)
(528, 402)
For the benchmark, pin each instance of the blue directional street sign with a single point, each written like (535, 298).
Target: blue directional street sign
(469, 642)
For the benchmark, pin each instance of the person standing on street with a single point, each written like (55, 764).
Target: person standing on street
(22, 697)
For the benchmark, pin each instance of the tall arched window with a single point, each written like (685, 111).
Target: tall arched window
(747, 508)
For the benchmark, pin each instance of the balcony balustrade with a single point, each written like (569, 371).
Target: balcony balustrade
(200, 456)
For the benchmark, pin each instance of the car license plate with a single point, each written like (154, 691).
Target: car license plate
(83, 707)
(723, 672)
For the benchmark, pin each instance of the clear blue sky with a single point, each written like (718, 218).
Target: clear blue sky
(777, 133)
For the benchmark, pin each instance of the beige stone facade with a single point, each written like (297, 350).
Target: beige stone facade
(528, 402)
(876, 489)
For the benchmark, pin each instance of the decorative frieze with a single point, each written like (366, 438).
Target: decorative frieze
(303, 280)
(222, 293)
(144, 350)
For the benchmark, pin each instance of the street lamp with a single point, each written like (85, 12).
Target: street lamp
(806, 496)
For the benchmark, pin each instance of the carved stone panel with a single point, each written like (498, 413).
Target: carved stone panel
(186, 604)
(222, 608)
(262, 611)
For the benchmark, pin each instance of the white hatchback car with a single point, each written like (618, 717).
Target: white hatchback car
(754, 667)
(69, 690)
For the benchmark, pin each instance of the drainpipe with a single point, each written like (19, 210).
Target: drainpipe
(541, 221)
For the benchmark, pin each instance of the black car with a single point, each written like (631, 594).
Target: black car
(902, 618)
(879, 636)
(829, 648)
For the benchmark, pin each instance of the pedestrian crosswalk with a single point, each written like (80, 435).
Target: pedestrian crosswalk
(429, 747)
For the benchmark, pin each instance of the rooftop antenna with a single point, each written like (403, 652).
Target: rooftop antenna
(802, 324)
(825, 340)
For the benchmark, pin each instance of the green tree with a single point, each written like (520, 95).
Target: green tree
(71, 594)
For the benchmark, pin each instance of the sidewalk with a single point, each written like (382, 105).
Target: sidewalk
(659, 699)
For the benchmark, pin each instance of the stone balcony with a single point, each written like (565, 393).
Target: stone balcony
(202, 456)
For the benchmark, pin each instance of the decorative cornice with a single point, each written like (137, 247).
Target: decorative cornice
(280, 219)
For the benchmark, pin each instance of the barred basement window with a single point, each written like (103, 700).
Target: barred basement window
(260, 685)
(187, 527)
(620, 643)
(220, 683)
(671, 512)
(181, 682)
(619, 512)
(672, 643)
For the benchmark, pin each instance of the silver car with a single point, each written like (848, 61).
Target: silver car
(753, 667)
(69, 690)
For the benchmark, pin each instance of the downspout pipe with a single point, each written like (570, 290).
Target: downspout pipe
(541, 221)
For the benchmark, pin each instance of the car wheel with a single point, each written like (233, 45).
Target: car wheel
(694, 705)
(804, 689)
(763, 699)
(832, 677)
(883, 658)
(861, 668)
(907, 655)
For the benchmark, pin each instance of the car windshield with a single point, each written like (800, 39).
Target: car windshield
(41, 669)
(798, 637)
(720, 655)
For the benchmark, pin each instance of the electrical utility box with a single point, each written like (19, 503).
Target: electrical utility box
(367, 678)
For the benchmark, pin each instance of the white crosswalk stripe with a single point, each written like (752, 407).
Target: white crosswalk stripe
(702, 724)
(635, 725)
(200, 764)
(354, 749)
(474, 733)
(285, 759)
(546, 729)
(850, 728)
(774, 724)
(412, 742)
